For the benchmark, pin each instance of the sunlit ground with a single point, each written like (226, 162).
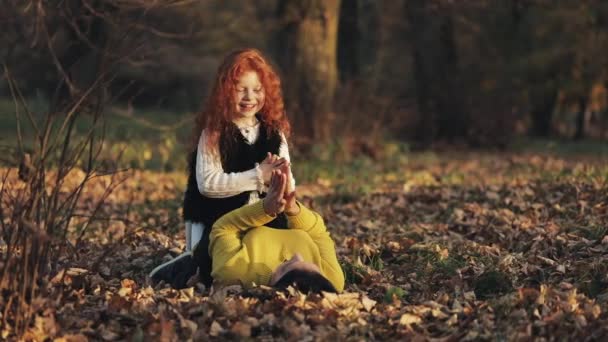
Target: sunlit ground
(463, 245)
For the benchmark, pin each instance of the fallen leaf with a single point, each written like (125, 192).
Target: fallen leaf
(368, 304)
(215, 329)
(72, 338)
(241, 329)
(108, 335)
(408, 319)
(167, 333)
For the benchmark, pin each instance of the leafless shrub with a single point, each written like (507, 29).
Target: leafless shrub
(39, 203)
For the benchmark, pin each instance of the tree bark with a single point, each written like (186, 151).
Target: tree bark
(453, 121)
(581, 119)
(308, 60)
(349, 37)
(436, 72)
(542, 113)
(417, 15)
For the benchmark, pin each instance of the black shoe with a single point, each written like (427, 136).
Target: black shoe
(175, 272)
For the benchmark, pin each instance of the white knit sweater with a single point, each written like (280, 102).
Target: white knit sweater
(213, 182)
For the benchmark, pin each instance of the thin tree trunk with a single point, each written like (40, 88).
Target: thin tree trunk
(439, 96)
(542, 113)
(349, 37)
(581, 118)
(452, 117)
(417, 15)
(310, 75)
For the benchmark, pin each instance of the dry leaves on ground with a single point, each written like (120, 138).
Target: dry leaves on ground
(478, 247)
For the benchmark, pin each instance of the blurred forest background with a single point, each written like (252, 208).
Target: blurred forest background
(355, 72)
(503, 210)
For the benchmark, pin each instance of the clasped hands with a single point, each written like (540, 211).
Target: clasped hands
(270, 163)
(281, 197)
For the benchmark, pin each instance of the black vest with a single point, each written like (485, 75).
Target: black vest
(236, 156)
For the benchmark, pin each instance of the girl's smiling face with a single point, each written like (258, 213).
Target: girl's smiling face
(249, 96)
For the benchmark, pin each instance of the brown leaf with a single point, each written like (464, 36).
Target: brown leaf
(72, 338)
(241, 329)
(167, 332)
(215, 329)
(118, 303)
(368, 304)
(107, 334)
(408, 319)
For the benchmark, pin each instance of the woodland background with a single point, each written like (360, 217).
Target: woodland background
(457, 150)
(478, 72)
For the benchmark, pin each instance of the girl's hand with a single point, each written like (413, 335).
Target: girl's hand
(274, 202)
(271, 162)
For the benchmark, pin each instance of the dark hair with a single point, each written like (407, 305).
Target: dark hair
(305, 281)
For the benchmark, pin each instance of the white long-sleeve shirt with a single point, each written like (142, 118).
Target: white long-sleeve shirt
(214, 182)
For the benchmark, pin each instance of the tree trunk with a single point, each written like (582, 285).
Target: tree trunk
(417, 15)
(581, 119)
(308, 60)
(542, 113)
(349, 37)
(436, 73)
(452, 118)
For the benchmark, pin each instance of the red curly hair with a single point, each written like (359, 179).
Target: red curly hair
(218, 110)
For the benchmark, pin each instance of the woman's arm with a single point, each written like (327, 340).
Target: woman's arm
(312, 223)
(231, 260)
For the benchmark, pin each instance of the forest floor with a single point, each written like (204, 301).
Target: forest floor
(449, 246)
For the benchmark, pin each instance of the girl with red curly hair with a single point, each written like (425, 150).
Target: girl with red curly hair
(240, 137)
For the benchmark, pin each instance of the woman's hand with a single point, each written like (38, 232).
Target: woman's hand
(274, 202)
(270, 163)
(291, 206)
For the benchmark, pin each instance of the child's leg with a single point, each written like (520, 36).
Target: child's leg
(202, 259)
(180, 269)
(196, 233)
(188, 235)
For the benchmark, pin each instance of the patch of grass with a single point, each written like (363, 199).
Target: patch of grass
(353, 273)
(450, 265)
(561, 147)
(415, 236)
(374, 261)
(357, 270)
(350, 174)
(492, 283)
(593, 232)
(487, 261)
(141, 139)
(431, 264)
(594, 287)
(393, 293)
(455, 177)
(594, 281)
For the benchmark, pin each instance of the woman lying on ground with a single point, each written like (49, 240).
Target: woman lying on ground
(247, 252)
